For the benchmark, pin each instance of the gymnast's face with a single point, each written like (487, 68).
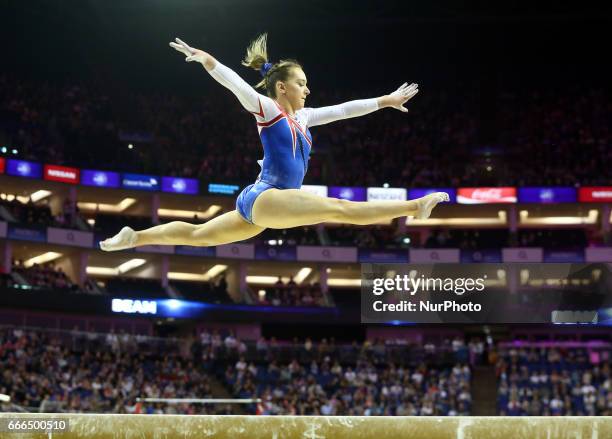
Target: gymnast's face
(294, 89)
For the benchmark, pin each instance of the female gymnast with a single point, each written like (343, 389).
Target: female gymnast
(275, 200)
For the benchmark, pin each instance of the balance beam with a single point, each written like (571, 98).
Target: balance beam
(313, 427)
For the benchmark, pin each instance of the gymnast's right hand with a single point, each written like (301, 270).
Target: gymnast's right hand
(191, 53)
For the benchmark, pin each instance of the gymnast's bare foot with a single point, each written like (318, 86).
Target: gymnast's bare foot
(428, 202)
(126, 238)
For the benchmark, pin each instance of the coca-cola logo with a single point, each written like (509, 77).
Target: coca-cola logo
(602, 194)
(487, 194)
(597, 194)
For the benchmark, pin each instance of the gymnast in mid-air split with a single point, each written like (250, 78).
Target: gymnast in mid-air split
(275, 200)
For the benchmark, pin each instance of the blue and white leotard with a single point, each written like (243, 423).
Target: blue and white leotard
(286, 139)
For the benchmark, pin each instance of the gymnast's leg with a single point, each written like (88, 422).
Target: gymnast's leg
(224, 229)
(279, 209)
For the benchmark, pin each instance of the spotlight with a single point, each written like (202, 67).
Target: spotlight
(174, 304)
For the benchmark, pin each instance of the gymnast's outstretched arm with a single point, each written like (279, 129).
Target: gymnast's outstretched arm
(361, 107)
(225, 76)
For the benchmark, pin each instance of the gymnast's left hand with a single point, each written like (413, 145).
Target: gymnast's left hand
(191, 53)
(399, 97)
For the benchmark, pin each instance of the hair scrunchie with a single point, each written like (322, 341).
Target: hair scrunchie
(265, 68)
